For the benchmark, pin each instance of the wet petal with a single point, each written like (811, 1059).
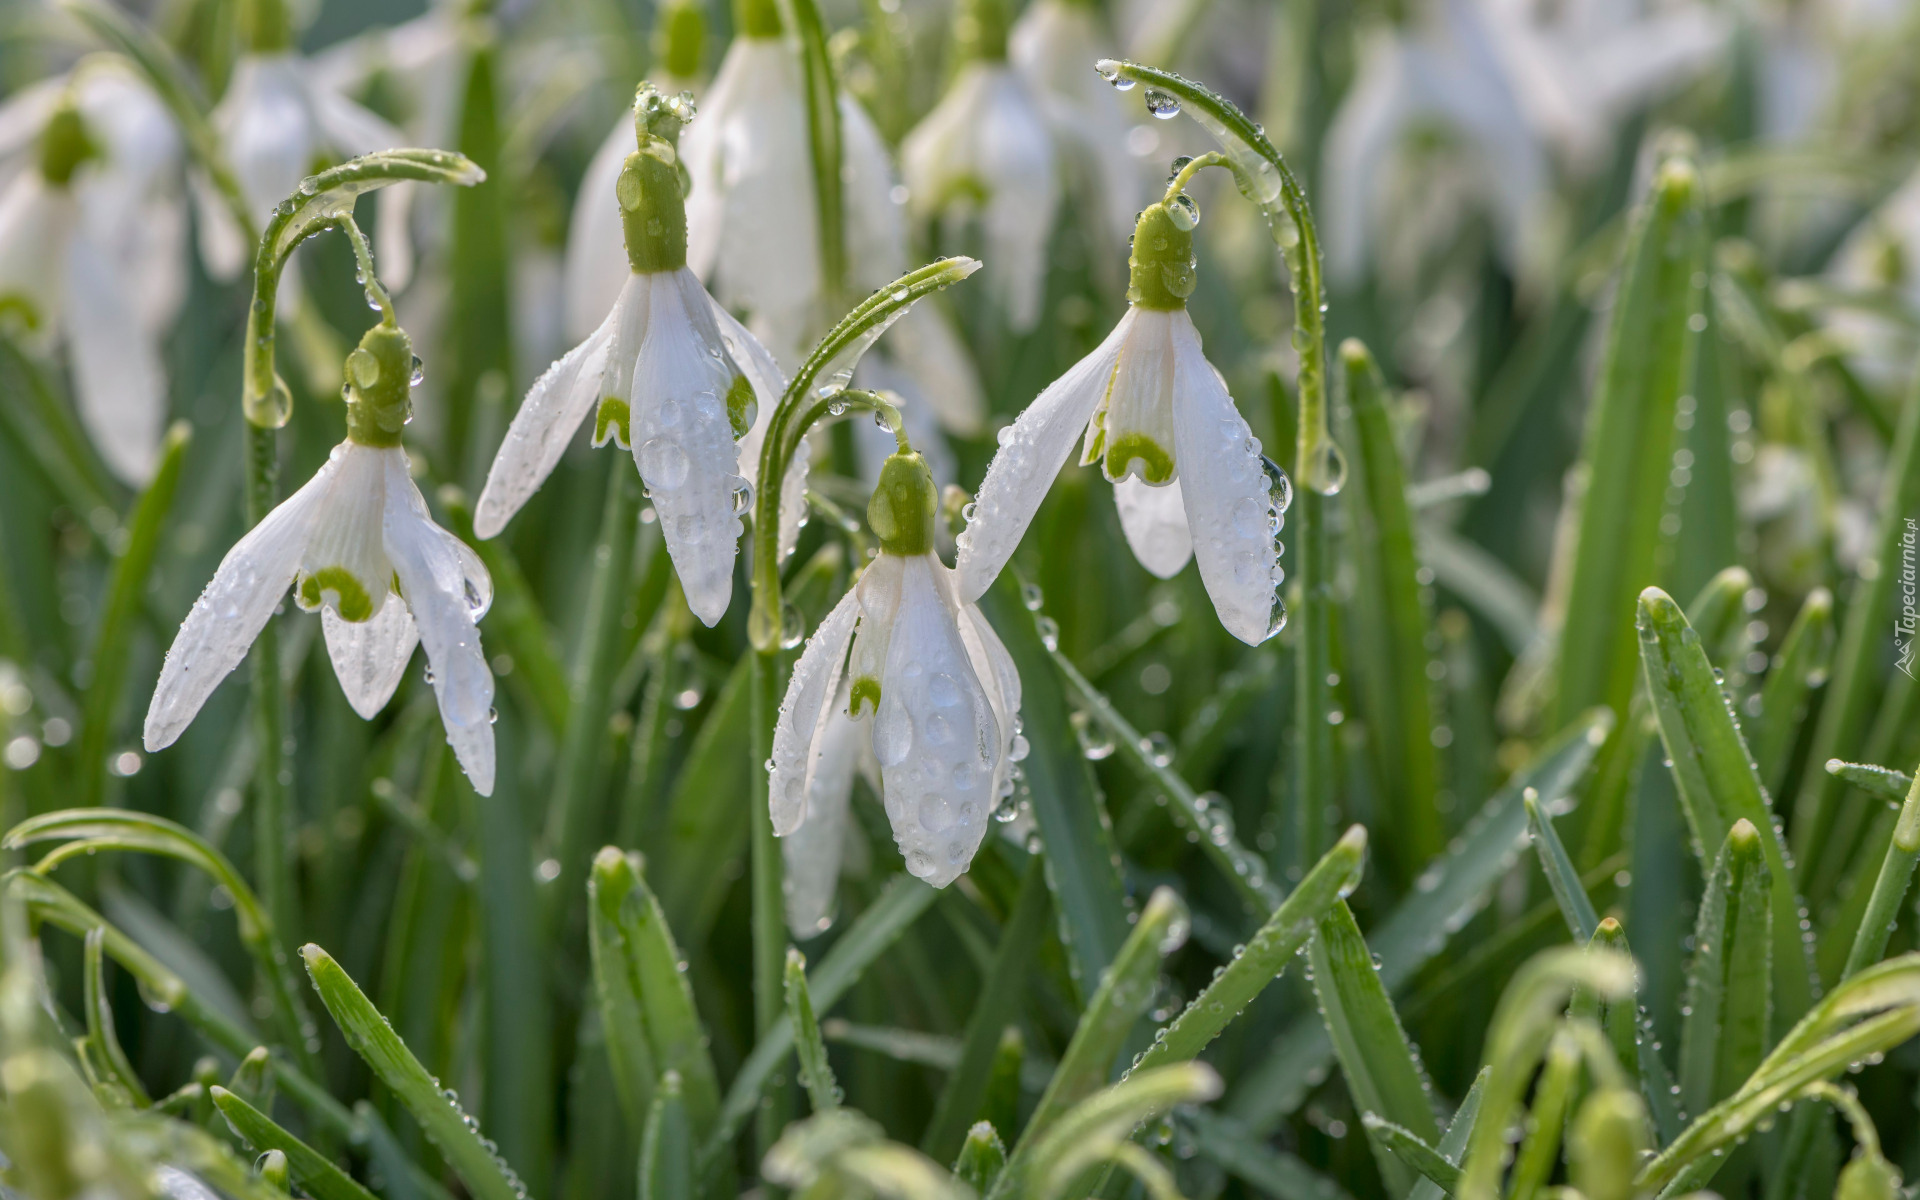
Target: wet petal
(432, 580)
(556, 404)
(816, 676)
(879, 590)
(683, 444)
(1155, 522)
(230, 613)
(369, 657)
(1132, 431)
(597, 265)
(1030, 454)
(813, 852)
(345, 567)
(1225, 488)
(935, 736)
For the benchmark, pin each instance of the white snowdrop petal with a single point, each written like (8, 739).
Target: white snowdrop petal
(369, 657)
(813, 851)
(230, 613)
(932, 356)
(596, 241)
(223, 247)
(433, 584)
(1137, 411)
(815, 676)
(876, 222)
(879, 590)
(119, 383)
(935, 735)
(267, 125)
(556, 404)
(1031, 452)
(345, 566)
(1225, 488)
(1155, 522)
(23, 115)
(683, 444)
(769, 383)
(631, 312)
(1051, 45)
(36, 223)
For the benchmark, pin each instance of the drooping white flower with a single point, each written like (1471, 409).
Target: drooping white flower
(277, 122)
(1521, 84)
(1189, 479)
(985, 151)
(676, 380)
(929, 684)
(1051, 44)
(357, 544)
(92, 238)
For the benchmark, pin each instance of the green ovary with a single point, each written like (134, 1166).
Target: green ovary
(866, 690)
(741, 406)
(351, 600)
(612, 420)
(1156, 465)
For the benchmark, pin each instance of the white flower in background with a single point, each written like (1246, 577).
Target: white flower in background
(927, 680)
(1519, 83)
(357, 544)
(985, 150)
(92, 246)
(279, 123)
(1879, 260)
(676, 380)
(1052, 44)
(1188, 476)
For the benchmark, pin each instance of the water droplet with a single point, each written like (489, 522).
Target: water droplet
(663, 464)
(1162, 104)
(1031, 597)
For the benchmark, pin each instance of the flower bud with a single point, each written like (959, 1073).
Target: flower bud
(1868, 1177)
(902, 508)
(1605, 1144)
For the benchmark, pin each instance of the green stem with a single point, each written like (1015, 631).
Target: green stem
(1184, 176)
(570, 823)
(769, 901)
(823, 138)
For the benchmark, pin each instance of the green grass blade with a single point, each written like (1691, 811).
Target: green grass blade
(1260, 1166)
(1265, 956)
(315, 1174)
(1394, 628)
(1885, 782)
(666, 1152)
(1633, 1041)
(982, 1157)
(637, 942)
(1562, 878)
(816, 1074)
(706, 824)
(438, 1110)
(616, 991)
(1242, 869)
(1383, 1074)
(1453, 1146)
(1889, 887)
(993, 1011)
(1630, 439)
(904, 900)
(1724, 1028)
(1717, 780)
(1124, 992)
(1083, 865)
(106, 1048)
(1801, 662)
(1854, 685)
(126, 591)
(1446, 895)
(1410, 1149)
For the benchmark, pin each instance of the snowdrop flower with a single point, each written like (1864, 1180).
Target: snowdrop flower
(676, 380)
(1051, 44)
(814, 850)
(356, 544)
(926, 680)
(92, 237)
(1187, 472)
(1520, 85)
(985, 148)
(276, 121)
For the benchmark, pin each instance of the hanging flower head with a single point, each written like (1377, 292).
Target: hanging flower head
(92, 233)
(357, 545)
(1188, 475)
(276, 121)
(929, 680)
(676, 380)
(985, 149)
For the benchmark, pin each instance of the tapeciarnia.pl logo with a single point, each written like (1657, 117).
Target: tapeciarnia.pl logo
(1906, 619)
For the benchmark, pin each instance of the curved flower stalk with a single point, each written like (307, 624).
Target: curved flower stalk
(928, 680)
(1521, 87)
(985, 149)
(275, 121)
(92, 241)
(357, 545)
(1051, 45)
(677, 381)
(1188, 475)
